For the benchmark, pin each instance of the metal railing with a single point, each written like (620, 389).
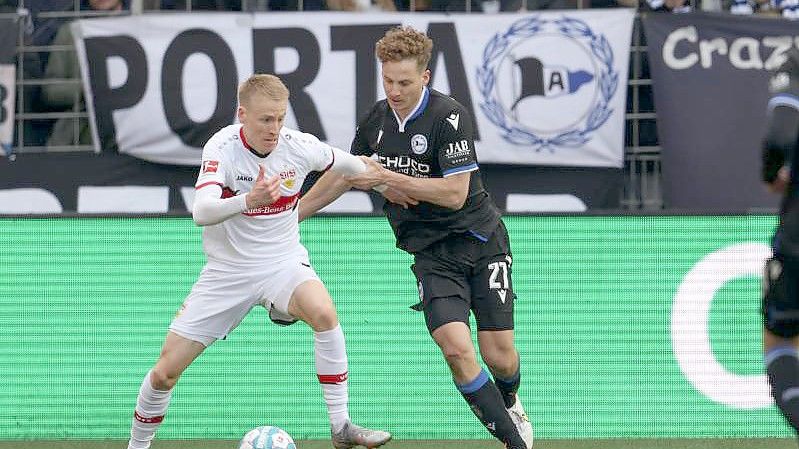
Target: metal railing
(642, 162)
(641, 150)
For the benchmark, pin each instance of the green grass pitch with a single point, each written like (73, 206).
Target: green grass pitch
(714, 443)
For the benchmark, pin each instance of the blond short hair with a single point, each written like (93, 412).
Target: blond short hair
(404, 42)
(266, 85)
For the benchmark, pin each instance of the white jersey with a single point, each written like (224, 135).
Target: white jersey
(268, 233)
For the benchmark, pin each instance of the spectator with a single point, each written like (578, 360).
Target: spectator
(411, 5)
(614, 4)
(533, 5)
(675, 6)
(45, 28)
(217, 5)
(361, 5)
(788, 9)
(36, 31)
(455, 5)
(294, 5)
(7, 6)
(200, 5)
(68, 96)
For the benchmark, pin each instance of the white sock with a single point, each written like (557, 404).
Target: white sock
(331, 369)
(151, 406)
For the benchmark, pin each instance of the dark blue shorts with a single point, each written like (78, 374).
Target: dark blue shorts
(462, 274)
(781, 297)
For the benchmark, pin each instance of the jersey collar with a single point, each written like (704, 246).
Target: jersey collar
(247, 145)
(416, 112)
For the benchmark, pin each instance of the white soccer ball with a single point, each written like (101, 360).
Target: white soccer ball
(267, 437)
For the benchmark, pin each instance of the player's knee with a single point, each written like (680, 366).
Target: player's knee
(500, 361)
(457, 356)
(326, 322)
(323, 318)
(162, 379)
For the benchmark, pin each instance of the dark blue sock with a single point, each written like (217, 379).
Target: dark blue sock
(486, 402)
(782, 367)
(509, 387)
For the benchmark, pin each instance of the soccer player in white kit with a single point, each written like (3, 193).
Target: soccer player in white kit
(246, 197)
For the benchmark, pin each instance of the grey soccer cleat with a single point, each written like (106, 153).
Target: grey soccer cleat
(519, 417)
(352, 435)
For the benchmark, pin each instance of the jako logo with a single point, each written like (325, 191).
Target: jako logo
(539, 68)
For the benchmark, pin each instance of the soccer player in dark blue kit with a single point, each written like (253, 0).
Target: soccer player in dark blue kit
(440, 212)
(781, 274)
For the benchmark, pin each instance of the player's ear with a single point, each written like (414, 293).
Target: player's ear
(426, 77)
(241, 113)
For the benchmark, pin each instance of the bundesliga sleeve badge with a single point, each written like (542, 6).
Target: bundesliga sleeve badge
(210, 166)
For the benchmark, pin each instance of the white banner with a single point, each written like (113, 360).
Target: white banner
(545, 89)
(7, 77)
(8, 49)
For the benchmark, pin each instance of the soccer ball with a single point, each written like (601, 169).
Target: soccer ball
(267, 437)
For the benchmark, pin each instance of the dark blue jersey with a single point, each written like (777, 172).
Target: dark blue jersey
(780, 149)
(436, 140)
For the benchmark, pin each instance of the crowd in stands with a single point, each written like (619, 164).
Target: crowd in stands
(51, 69)
(53, 60)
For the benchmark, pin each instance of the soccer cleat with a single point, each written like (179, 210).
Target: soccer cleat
(519, 417)
(352, 435)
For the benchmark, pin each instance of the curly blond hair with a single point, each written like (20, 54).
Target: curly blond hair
(267, 85)
(404, 42)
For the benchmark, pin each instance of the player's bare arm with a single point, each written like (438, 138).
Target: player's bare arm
(264, 192)
(397, 197)
(334, 183)
(449, 192)
(327, 188)
(392, 195)
(330, 185)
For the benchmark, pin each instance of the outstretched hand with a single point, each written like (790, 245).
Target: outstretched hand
(265, 191)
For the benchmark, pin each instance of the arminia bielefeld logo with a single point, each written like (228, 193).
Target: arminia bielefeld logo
(547, 83)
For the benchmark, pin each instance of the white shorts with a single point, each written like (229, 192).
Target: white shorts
(224, 294)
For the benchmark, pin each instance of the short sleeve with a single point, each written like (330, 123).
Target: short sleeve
(456, 153)
(784, 88)
(360, 144)
(782, 132)
(317, 154)
(368, 132)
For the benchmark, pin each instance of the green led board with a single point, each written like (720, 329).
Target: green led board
(632, 326)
